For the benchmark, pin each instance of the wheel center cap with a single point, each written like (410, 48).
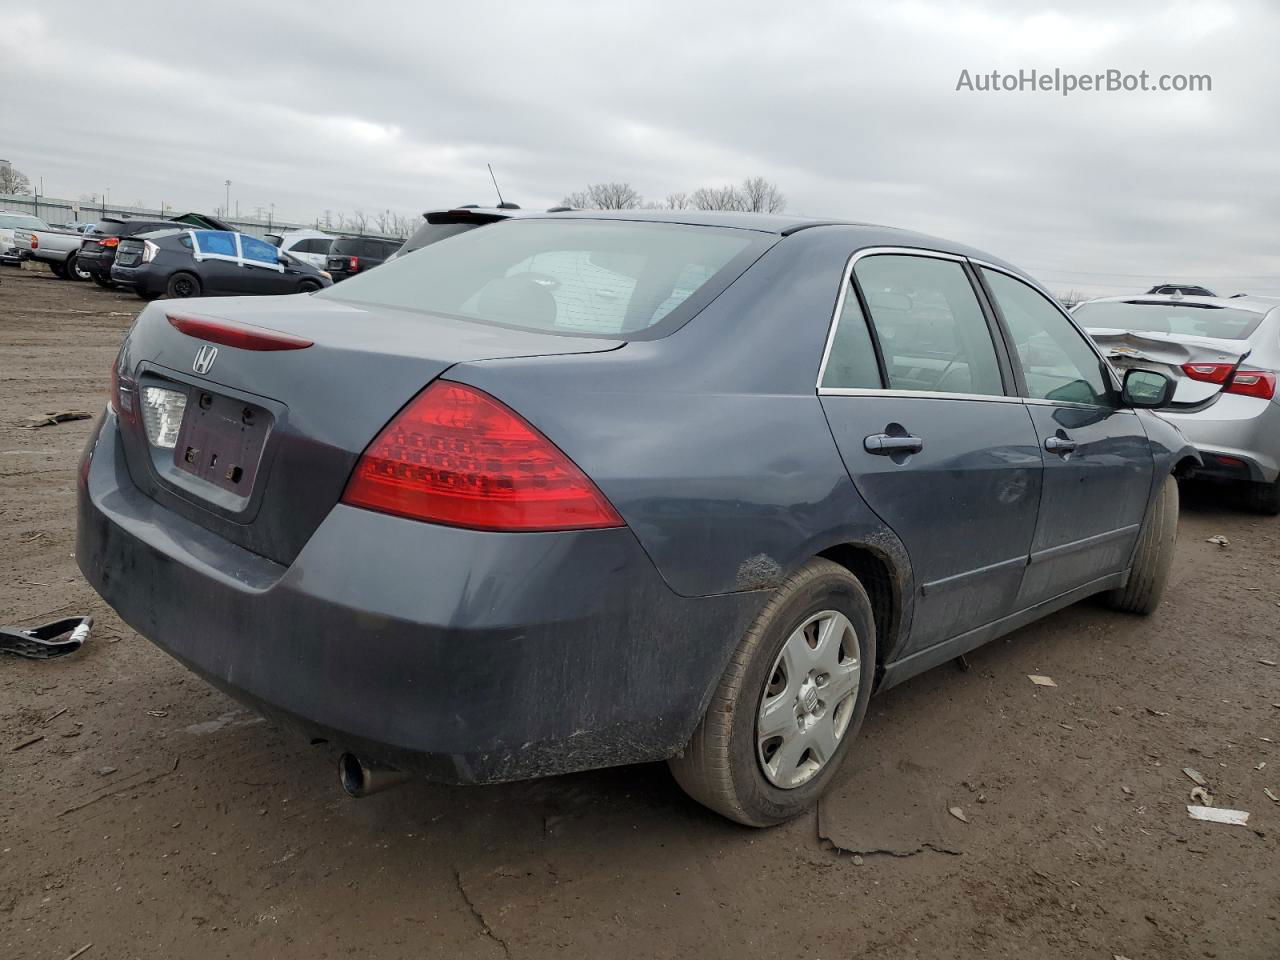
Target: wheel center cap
(809, 699)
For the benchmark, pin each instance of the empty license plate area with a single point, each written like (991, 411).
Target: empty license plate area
(221, 441)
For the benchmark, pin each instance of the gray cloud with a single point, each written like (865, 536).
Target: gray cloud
(850, 107)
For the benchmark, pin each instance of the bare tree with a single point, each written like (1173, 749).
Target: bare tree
(717, 198)
(605, 196)
(359, 221)
(676, 201)
(761, 196)
(13, 180)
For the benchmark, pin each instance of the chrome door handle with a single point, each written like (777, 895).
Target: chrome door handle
(1061, 445)
(886, 444)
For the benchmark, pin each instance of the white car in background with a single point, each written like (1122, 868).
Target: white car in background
(9, 222)
(309, 246)
(1223, 355)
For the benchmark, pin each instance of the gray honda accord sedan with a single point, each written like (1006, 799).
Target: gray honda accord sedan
(586, 489)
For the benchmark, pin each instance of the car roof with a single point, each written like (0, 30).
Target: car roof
(1251, 304)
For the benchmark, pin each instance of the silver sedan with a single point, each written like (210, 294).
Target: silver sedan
(1223, 354)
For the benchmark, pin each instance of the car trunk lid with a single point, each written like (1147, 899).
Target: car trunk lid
(1200, 367)
(280, 395)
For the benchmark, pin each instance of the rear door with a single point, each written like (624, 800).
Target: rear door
(1097, 459)
(923, 407)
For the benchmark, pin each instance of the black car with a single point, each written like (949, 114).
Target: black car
(98, 248)
(1186, 289)
(351, 255)
(195, 263)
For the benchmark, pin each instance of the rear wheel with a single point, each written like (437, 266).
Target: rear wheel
(75, 271)
(1152, 559)
(104, 282)
(308, 286)
(789, 704)
(182, 285)
(1264, 498)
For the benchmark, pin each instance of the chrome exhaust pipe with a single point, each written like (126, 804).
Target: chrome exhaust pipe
(363, 778)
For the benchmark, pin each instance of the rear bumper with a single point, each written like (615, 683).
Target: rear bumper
(1253, 441)
(140, 279)
(99, 264)
(469, 657)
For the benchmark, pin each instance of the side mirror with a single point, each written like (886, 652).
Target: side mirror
(1146, 389)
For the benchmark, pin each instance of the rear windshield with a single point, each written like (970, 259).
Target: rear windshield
(576, 277)
(21, 221)
(1192, 319)
(363, 247)
(430, 233)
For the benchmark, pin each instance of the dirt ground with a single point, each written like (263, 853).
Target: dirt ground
(155, 818)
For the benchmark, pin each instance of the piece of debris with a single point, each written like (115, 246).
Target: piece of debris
(1219, 539)
(958, 814)
(1201, 795)
(105, 771)
(57, 417)
(31, 539)
(1195, 776)
(1040, 681)
(47, 641)
(1270, 796)
(1126, 790)
(80, 951)
(1157, 713)
(1119, 956)
(157, 713)
(1261, 766)
(1236, 818)
(857, 860)
(53, 716)
(1266, 663)
(27, 743)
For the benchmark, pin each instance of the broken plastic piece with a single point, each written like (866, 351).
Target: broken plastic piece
(56, 639)
(1040, 681)
(1237, 818)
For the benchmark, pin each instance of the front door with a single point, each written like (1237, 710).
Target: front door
(1097, 459)
(923, 407)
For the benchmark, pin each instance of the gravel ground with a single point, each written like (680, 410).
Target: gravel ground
(156, 818)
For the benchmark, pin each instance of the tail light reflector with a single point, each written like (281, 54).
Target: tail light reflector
(35, 242)
(353, 264)
(232, 334)
(1208, 372)
(456, 456)
(1253, 383)
(110, 241)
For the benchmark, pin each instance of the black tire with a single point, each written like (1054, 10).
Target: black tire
(1264, 498)
(308, 286)
(1153, 557)
(182, 285)
(721, 768)
(59, 270)
(104, 282)
(74, 271)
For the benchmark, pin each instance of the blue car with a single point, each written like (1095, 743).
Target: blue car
(586, 489)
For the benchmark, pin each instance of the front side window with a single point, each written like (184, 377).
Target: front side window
(258, 251)
(1057, 362)
(573, 276)
(932, 332)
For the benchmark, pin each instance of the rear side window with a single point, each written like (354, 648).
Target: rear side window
(312, 245)
(573, 276)
(851, 364)
(1057, 362)
(930, 327)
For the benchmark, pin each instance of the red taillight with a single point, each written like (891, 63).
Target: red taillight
(110, 241)
(457, 456)
(122, 391)
(35, 242)
(1208, 372)
(232, 334)
(353, 264)
(1253, 383)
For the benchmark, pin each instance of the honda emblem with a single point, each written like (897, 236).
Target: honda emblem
(204, 359)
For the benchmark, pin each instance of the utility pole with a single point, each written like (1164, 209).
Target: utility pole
(226, 207)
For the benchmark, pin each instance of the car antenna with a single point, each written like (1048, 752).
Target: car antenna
(502, 204)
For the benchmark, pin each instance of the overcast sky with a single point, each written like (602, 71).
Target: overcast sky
(851, 108)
